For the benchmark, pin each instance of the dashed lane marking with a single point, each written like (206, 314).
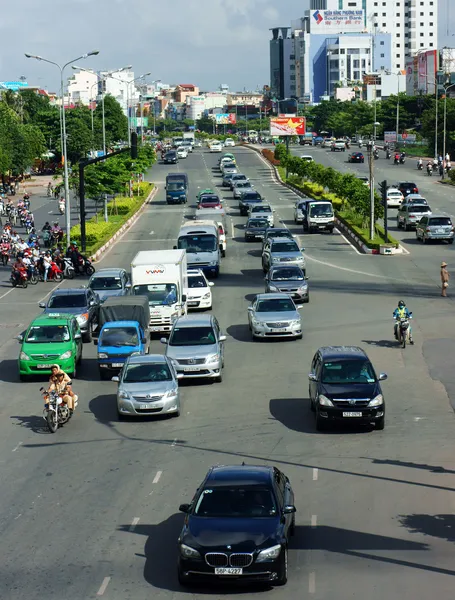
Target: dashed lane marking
(315, 473)
(133, 524)
(312, 582)
(157, 477)
(103, 586)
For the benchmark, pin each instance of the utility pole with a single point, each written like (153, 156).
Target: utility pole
(370, 164)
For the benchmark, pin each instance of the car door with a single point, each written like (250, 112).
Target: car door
(315, 369)
(401, 214)
(251, 312)
(266, 255)
(218, 334)
(282, 494)
(77, 337)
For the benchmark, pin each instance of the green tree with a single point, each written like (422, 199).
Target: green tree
(116, 122)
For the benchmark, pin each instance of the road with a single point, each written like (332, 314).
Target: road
(92, 511)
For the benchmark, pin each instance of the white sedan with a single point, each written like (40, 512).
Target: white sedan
(198, 293)
(182, 152)
(229, 142)
(394, 198)
(216, 147)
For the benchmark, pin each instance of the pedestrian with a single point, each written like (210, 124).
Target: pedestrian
(447, 157)
(444, 279)
(441, 170)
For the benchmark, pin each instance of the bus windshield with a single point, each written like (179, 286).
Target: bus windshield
(198, 243)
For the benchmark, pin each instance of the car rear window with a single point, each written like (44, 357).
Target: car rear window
(437, 221)
(419, 209)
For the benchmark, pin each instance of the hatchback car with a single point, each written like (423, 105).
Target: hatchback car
(279, 251)
(344, 387)
(237, 526)
(274, 315)
(109, 282)
(288, 280)
(229, 142)
(236, 178)
(147, 385)
(338, 146)
(241, 187)
(394, 198)
(307, 158)
(435, 227)
(410, 214)
(356, 157)
(196, 347)
(198, 293)
(170, 158)
(246, 200)
(182, 152)
(407, 187)
(262, 210)
(255, 228)
(82, 303)
(276, 232)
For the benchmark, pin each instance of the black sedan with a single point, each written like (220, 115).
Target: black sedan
(246, 199)
(255, 229)
(170, 158)
(356, 157)
(237, 527)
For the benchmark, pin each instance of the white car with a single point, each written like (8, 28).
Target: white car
(188, 145)
(216, 147)
(307, 158)
(394, 198)
(229, 142)
(263, 211)
(182, 152)
(198, 293)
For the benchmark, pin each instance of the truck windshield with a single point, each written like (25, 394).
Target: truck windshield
(119, 336)
(198, 243)
(158, 294)
(175, 186)
(321, 210)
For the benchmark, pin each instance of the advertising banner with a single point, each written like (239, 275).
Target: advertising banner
(287, 126)
(225, 119)
(337, 21)
(390, 136)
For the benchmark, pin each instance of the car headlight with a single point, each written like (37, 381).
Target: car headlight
(269, 553)
(212, 358)
(170, 393)
(23, 356)
(273, 288)
(303, 287)
(258, 323)
(206, 296)
(213, 263)
(82, 319)
(324, 401)
(377, 401)
(124, 395)
(102, 355)
(188, 552)
(67, 354)
(295, 323)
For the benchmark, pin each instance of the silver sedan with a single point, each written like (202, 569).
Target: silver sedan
(288, 280)
(274, 315)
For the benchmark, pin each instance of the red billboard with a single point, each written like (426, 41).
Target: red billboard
(287, 126)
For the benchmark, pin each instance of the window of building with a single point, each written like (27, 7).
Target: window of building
(421, 34)
(398, 34)
(384, 24)
(398, 14)
(363, 63)
(384, 14)
(431, 34)
(431, 14)
(356, 75)
(431, 24)
(342, 51)
(422, 25)
(376, 25)
(422, 44)
(375, 3)
(422, 14)
(381, 43)
(397, 45)
(352, 3)
(398, 66)
(382, 55)
(292, 56)
(431, 44)
(398, 55)
(356, 64)
(375, 14)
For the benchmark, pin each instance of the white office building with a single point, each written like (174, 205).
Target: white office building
(82, 88)
(120, 86)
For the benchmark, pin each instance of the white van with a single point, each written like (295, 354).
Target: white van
(201, 241)
(206, 215)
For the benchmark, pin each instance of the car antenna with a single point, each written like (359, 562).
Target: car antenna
(243, 463)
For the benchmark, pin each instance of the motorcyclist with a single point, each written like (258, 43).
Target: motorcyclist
(18, 269)
(402, 157)
(46, 226)
(429, 166)
(60, 382)
(401, 312)
(397, 157)
(420, 164)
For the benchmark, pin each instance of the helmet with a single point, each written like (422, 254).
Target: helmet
(401, 304)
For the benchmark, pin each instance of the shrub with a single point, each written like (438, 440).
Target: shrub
(452, 176)
(94, 232)
(280, 152)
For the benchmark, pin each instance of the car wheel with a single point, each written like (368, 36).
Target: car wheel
(312, 406)
(307, 299)
(292, 527)
(120, 416)
(424, 240)
(379, 425)
(219, 379)
(398, 224)
(73, 373)
(321, 424)
(22, 377)
(406, 228)
(283, 568)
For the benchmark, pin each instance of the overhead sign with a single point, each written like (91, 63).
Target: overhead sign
(287, 126)
(225, 119)
(13, 85)
(338, 21)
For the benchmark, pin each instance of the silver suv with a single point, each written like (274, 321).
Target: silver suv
(196, 347)
(281, 251)
(435, 227)
(410, 214)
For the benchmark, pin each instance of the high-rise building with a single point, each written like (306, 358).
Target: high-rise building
(282, 64)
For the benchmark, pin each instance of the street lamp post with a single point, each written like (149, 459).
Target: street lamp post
(445, 125)
(128, 83)
(64, 148)
(371, 170)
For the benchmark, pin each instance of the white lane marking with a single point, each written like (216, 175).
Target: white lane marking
(151, 233)
(174, 443)
(327, 264)
(312, 582)
(50, 292)
(157, 477)
(103, 586)
(6, 293)
(349, 242)
(19, 515)
(151, 494)
(17, 447)
(314, 520)
(133, 524)
(50, 212)
(232, 230)
(315, 474)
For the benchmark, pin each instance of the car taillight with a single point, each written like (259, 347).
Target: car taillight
(428, 230)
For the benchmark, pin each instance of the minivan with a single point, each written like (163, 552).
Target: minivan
(202, 244)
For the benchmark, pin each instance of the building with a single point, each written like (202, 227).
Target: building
(282, 64)
(244, 98)
(195, 107)
(183, 90)
(82, 87)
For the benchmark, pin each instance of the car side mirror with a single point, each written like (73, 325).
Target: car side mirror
(42, 304)
(163, 340)
(222, 338)
(302, 249)
(299, 307)
(382, 376)
(211, 283)
(184, 508)
(306, 278)
(116, 378)
(250, 309)
(289, 509)
(20, 337)
(312, 377)
(128, 286)
(143, 340)
(183, 297)
(78, 336)
(174, 247)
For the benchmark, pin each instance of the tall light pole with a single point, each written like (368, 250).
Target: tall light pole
(64, 148)
(128, 83)
(445, 124)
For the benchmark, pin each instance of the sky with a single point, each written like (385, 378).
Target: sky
(205, 42)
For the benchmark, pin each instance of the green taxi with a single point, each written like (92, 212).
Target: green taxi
(227, 157)
(207, 192)
(50, 339)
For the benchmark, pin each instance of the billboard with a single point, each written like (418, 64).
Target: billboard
(287, 126)
(337, 21)
(13, 85)
(225, 119)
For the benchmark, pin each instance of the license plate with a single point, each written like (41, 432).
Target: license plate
(43, 366)
(117, 365)
(352, 414)
(155, 329)
(276, 331)
(191, 369)
(193, 303)
(228, 571)
(321, 226)
(440, 231)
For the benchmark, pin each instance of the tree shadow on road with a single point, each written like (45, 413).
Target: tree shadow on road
(441, 526)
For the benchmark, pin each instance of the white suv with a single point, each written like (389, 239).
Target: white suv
(198, 293)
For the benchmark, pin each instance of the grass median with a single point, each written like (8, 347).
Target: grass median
(120, 210)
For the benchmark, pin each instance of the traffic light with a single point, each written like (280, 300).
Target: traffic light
(134, 145)
(383, 188)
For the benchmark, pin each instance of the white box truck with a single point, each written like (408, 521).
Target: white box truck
(161, 275)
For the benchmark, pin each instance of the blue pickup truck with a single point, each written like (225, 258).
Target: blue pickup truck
(123, 331)
(177, 188)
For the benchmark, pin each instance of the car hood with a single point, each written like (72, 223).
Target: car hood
(155, 388)
(196, 292)
(352, 390)
(251, 200)
(50, 349)
(274, 317)
(242, 534)
(291, 255)
(288, 283)
(178, 352)
(66, 311)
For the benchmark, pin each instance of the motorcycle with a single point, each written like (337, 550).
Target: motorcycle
(27, 204)
(57, 412)
(56, 237)
(396, 161)
(4, 251)
(19, 279)
(68, 268)
(34, 276)
(85, 266)
(419, 166)
(54, 273)
(429, 171)
(376, 154)
(29, 227)
(388, 154)
(403, 330)
(61, 207)
(402, 160)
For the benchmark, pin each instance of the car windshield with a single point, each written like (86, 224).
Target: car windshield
(136, 373)
(264, 208)
(290, 246)
(119, 336)
(321, 210)
(257, 223)
(236, 503)
(106, 283)
(287, 273)
(238, 177)
(348, 371)
(68, 301)
(158, 294)
(416, 201)
(197, 281)
(241, 184)
(438, 221)
(175, 186)
(192, 336)
(43, 334)
(198, 243)
(275, 305)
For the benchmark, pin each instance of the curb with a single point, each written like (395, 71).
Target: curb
(131, 221)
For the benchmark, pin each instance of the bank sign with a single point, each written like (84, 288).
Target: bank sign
(338, 21)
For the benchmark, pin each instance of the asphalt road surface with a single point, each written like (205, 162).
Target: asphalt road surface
(92, 511)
